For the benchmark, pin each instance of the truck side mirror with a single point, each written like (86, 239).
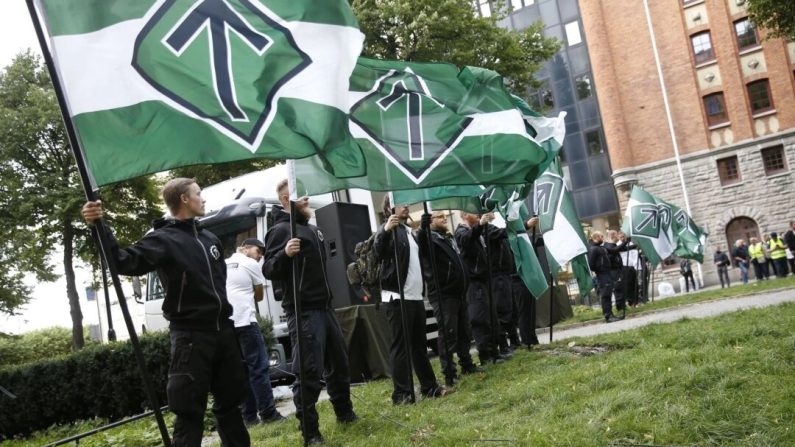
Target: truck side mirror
(136, 285)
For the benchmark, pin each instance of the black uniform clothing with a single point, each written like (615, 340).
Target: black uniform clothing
(616, 265)
(599, 260)
(687, 271)
(789, 239)
(473, 253)
(449, 302)
(322, 342)
(502, 267)
(722, 262)
(413, 340)
(526, 305)
(205, 355)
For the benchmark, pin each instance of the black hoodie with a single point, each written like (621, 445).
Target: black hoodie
(190, 264)
(472, 251)
(452, 278)
(313, 286)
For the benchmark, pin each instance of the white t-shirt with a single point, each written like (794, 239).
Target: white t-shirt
(412, 289)
(242, 274)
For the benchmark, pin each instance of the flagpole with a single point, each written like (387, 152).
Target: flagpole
(101, 231)
(490, 295)
(299, 327)
(432, 257)
(111, 331)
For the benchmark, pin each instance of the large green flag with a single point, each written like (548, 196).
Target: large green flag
(422, 125)
(156, 84)
(691, 239)
(528, 267)
(564, 239)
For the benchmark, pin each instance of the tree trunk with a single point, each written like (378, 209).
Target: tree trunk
(71, 289)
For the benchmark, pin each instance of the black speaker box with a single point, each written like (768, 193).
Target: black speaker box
(343, 226)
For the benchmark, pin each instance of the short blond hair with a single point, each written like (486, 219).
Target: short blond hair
(174, 189)
(280, 188)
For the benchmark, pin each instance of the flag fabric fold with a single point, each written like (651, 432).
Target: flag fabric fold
(152, 85)
(528, 267)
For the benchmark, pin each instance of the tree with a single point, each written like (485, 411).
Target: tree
(451, 31)
(207, 175)
(42, 196)
(777, 16)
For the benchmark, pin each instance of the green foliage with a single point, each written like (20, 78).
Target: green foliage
(207, 175)
(451, 31)
(35, 346)
(777, 16)
(99, 381)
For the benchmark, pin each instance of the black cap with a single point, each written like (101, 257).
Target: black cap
(253, 241)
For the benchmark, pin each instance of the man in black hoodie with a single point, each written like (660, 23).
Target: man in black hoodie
(324, 346)
(205, 356)
(599, 261)
(449, 297)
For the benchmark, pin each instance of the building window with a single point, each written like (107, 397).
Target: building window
(484, 7)
(729, 170)
(583, 85)
(747, 36)
(594, 143)
(715, 107)
(774, 160)
(702, 47)
(573, 36)
(759, 96)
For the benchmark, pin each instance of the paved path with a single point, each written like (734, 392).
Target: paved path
(697, 310)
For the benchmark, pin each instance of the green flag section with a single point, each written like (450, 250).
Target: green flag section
(691, 239)
(155, 84)
(527, 266)
(564, 239)
(422, 125)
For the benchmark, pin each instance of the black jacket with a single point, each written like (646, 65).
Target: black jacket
(452, 278)
(789, 239)
(190, 264)
(599, 258)
(384, 247)
(721, 259)
(502, 262)
(472, 251)
(312, 282)
(614, 254)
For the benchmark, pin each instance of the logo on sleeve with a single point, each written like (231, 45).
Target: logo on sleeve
(215, 253)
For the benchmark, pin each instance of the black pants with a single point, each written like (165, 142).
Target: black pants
(455, 335)
(526, 305)
(202, 362)
(689, 280)
(604, 281)
(399, 350)
(506, 310)
(760, 269)
(618, 289)
(791, 265)
(480, 319)
(723, 275)
(324, 350)
(781, 267)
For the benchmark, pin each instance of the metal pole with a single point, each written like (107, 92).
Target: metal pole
(432, 257)
(102, 238)
(551, 303)
(490, 295)
(299, 327)
(403, 323)
(668, 116)
(111, 331)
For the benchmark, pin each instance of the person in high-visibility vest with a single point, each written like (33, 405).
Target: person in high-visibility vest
(757, 252)
(778, 253)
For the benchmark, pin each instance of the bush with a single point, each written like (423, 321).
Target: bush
(38, 345)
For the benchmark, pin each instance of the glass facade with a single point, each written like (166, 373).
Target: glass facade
(567, 85)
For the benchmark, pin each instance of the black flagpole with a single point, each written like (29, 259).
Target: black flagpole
(403, 322)
(111, 331)
(551, 302)
(101, 233)
(299, 327)
(432, 257)
(490, 296)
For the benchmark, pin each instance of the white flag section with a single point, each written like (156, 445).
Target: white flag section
(649, 222)
(557, 218)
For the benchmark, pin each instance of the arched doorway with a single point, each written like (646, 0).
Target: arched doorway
(741, 228)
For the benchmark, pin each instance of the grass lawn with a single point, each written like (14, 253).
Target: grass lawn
(587, 313)
(724, 381)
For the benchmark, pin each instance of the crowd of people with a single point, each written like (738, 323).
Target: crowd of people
(772, 255)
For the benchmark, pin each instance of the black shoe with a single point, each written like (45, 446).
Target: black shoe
(402, 400)
(504, 357)
(436, 391)
(273, 417)
(506, 352)
(474, 369)
(611, 319)
(488, 360)
(348, 418)
(450, 381)
(316, 439)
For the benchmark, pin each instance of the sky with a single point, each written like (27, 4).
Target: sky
(49, 305)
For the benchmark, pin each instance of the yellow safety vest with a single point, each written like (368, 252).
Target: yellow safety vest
(757, 252)
(777, 250)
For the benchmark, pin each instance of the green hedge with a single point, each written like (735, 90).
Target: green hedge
(37, 345)
(99, 381)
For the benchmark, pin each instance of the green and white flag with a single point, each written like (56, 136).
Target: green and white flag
(422, 125)
(528, 267)
(649, 222)
(691, 239)
(564, 239)
(155, 84)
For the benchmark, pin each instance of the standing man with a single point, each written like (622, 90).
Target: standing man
(470, 239)
(449, 297)
(789, 239)
(758, 259)
(686, 270)
(614, 248)
(524, 301)
(405, 274)
(741, 259)
(599, 261)
(205, 356)
(502, 267)
(778, 254)
(244, 284)
(722, 262)
(324, 347)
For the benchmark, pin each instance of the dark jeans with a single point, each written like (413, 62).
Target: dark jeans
(324, 350)
(618, 289)
(791, 265)
(689, 280)
(723, 275)
(781, 267)
(415, 341)
(202, 362)
(760, 269)
(455, 335)
(526, 304)
(480, 319)
(260, 394)
(605, 284)
(506, 311)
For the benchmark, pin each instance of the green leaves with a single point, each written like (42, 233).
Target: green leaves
(777, 16)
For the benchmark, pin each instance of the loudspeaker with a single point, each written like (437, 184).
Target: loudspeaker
(343, 226)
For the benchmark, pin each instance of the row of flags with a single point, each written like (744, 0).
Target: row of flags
(152, 85)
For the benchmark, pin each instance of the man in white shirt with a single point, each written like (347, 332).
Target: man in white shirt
(244, 286)
(405, 274)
